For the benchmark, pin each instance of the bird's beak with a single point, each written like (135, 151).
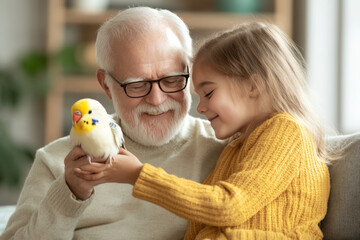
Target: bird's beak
(76, 116)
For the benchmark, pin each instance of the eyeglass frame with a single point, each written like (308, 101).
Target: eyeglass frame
(123, 85)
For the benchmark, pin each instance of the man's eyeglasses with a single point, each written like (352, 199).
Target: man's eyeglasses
(142, 88)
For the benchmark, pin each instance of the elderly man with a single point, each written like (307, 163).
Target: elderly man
(144, 57)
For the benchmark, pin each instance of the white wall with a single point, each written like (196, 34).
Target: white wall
(350, 67)
(333, 57)
(322, 57)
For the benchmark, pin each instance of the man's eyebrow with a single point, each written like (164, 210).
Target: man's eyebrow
(133, 79)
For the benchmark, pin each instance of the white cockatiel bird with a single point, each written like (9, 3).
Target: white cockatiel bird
(94, 130)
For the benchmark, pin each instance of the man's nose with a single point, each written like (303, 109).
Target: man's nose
(156, 96)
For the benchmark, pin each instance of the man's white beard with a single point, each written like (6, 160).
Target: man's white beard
(159, 131)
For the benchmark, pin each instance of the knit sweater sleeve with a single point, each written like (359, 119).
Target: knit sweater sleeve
(46, 208)
(265, 166)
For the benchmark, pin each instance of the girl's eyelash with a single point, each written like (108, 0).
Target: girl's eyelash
(209, 93)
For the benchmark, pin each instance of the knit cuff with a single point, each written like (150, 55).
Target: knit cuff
(143, 185)
(61, 199)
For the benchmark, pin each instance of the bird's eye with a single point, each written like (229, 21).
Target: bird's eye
(89, 112)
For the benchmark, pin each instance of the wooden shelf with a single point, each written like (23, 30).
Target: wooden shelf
(74, 16)
(194, 20)
(79, 84)
(219, 20)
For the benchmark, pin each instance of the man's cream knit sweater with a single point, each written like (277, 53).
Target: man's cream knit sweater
(47, 210)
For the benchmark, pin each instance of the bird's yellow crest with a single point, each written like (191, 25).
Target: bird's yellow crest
(82, 122)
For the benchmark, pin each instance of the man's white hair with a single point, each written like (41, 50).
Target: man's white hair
(137, 20)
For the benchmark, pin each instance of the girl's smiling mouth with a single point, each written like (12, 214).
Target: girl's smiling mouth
(212, 118)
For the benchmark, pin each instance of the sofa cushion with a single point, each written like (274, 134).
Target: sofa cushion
(342, 220)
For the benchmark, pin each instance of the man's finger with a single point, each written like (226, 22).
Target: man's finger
(79, 170)
(76, 153)
(77, 163)
(91, 177)
(94, 167)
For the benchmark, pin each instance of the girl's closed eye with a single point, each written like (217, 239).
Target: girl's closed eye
(208, 95)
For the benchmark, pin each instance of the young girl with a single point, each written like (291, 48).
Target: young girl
(271, 181)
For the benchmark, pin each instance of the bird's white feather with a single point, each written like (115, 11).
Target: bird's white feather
(118, 135)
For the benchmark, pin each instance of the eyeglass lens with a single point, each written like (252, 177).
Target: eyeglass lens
(168, 85)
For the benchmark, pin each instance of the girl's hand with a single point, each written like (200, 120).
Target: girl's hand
(124, 169)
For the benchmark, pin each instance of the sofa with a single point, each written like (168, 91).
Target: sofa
(342, 221)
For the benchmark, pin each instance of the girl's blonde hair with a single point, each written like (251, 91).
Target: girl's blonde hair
(263, 54)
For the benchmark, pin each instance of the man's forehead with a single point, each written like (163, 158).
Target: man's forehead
(148, 57)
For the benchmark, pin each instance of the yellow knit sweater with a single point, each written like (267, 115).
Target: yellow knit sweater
(269, 186)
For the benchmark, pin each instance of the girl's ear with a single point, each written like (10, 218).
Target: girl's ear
(101, 74)
(252, 87)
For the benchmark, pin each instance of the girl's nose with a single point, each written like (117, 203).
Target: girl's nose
(201, 108)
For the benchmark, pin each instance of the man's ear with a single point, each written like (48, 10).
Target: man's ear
(100, 74)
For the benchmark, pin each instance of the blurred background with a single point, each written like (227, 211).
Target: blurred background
(47, 62)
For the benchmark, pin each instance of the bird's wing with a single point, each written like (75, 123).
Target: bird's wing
(118, 135)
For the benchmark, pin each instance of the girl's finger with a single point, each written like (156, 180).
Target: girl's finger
(122, 151)
(125, 152)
